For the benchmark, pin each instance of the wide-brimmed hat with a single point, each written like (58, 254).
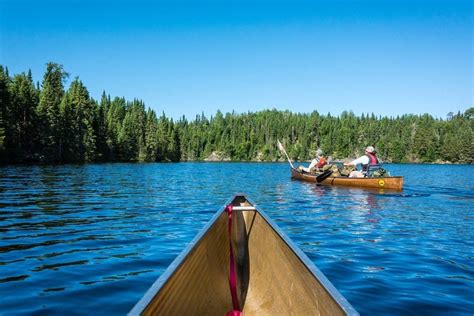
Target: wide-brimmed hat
(319, 152)
(370, 149)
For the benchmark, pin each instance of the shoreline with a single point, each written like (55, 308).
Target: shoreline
(204, 161)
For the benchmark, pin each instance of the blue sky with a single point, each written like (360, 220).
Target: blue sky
(185, 57)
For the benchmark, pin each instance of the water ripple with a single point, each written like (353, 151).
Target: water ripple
(97, 236)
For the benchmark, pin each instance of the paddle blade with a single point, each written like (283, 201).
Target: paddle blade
(323, 176)
(280, 146)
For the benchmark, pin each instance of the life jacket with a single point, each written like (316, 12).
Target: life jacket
(322, 162)
(373, 160)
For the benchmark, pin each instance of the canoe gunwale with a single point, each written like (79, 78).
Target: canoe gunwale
(180, 259)
(177, 262)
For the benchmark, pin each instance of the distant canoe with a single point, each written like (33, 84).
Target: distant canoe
(273, 275)
(389, 183)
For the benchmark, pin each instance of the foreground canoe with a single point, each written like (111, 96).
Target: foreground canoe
(273, 275)
(389, 183)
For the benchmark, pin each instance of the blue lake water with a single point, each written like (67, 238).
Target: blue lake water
(91, 239)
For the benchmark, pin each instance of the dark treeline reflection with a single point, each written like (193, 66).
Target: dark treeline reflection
(48, 123)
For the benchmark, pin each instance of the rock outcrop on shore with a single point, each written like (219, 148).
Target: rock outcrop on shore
(217, 156)
(260, 157)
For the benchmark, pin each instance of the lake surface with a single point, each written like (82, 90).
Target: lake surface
(91, 239)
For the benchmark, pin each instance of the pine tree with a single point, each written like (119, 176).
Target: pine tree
(4, 106)
(114, 121)
(151, 141)
(100, 128)
(48, 111)
(131, 136)
(23, 120)
(84, 110)
(69, 131)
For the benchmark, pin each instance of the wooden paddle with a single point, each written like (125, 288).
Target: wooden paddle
(282, 149)
(323, 176)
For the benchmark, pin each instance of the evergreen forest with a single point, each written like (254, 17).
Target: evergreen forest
(48, 122)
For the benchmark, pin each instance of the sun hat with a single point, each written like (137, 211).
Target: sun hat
(370, 149)
(319, 152)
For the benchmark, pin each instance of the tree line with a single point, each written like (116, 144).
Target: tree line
(47, 123)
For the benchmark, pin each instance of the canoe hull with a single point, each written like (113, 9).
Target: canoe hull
(273, 275)
(389, 183)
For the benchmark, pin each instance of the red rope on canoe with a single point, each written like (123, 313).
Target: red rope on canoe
(232, 272)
